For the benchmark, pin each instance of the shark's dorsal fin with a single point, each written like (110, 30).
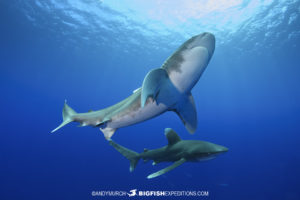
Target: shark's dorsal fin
(186, 110)
(171, 136)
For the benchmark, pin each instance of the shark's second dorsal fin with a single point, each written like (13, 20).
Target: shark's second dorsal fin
(171, 136)
(134, 91)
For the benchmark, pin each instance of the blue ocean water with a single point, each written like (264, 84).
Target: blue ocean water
(95, 53)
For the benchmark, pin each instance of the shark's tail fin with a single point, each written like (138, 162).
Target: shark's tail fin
(67, 114)
(132, 156)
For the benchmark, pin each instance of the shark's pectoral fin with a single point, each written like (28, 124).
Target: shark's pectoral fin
(186, 110)
(152, 84)
(159, 87)
(165, 170)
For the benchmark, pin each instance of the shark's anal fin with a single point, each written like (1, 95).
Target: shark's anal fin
(165, 170)
(159, 87)
(186, 110)
(172, 136)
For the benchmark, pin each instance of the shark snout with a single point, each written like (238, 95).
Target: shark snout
(206, 40)
(222, 149)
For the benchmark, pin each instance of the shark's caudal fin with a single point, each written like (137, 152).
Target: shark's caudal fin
(132, 156)
(67, 114)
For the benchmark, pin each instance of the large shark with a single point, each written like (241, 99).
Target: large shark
(177, 151)
(167, 88)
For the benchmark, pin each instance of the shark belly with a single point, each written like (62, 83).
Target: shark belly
(132, 113)
(136, 116)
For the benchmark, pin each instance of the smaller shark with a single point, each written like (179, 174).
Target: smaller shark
(177, 151)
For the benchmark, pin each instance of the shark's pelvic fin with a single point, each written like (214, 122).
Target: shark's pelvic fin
(159, 87)
(67, 114)
(108, 132)
(186, 110)
(132, 156)
(172, 136)
(165, 170)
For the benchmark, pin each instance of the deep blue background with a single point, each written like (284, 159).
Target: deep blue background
(246, 101)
